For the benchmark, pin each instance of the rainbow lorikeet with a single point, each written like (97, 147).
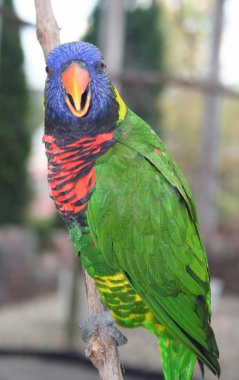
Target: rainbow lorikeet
(129, 210)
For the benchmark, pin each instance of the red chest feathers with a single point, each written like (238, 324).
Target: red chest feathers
(71, 175)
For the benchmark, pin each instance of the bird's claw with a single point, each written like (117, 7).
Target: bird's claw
(105, 322)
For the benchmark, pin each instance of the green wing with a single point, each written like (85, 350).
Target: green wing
(135, 133)
(143, 219)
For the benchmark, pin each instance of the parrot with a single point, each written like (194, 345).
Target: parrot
(129, 210)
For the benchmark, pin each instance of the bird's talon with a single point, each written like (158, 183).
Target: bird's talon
(105, 322)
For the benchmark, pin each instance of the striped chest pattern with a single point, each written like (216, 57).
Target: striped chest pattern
(71, 175)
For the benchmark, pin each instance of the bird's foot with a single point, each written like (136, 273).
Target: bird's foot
(105, 322)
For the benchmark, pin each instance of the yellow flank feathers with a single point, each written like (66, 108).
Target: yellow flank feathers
(137, 298)
(122, 106)
(126, 306)
(117, 280)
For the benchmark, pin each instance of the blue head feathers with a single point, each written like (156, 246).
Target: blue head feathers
(96, 110)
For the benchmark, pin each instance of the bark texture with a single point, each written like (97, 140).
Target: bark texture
(102, 349)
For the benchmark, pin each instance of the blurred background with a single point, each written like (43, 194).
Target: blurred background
(176, 64)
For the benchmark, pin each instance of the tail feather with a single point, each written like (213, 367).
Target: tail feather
(201, 366)
(177, 360)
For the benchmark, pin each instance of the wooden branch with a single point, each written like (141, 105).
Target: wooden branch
(46, 26)
(155, 78)
(10, 16)
(102, 349)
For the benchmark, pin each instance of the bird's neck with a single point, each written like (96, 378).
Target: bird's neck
(71, 174)
(122, 110)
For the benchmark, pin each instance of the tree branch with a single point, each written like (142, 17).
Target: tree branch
(46, 26)
(102, 349)
(155, 78)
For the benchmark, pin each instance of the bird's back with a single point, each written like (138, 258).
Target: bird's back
(144, 223)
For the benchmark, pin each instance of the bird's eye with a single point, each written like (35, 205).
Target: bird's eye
(47, 70)
(101, 66)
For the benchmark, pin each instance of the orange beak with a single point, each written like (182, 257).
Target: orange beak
(76, 80)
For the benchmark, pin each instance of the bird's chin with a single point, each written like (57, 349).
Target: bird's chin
(84, 105)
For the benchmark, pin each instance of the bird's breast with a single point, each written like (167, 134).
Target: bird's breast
(71, 173)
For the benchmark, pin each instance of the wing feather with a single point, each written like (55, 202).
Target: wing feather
(149, 228)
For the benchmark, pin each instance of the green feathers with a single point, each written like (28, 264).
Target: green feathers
(144, 223)
(129, 210)
(178, 362)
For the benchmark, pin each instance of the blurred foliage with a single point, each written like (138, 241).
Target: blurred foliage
(229, 158)
(43, 229)
(188, 29)
(35, 115)
(188, 36)
(183, 117)
(14, 135)
(144, 49)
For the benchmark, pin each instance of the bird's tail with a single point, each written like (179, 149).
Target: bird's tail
(177, 360)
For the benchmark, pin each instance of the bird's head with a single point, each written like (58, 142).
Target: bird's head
(80, 99)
